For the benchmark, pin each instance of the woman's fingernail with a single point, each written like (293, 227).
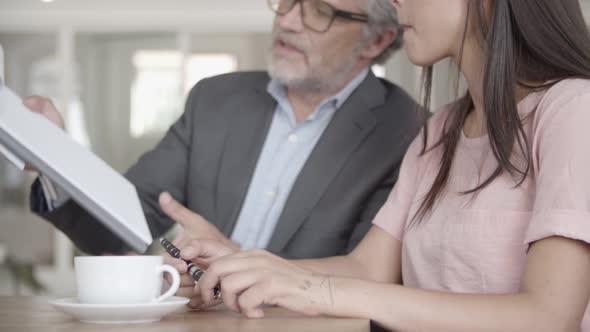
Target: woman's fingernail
(257, 313)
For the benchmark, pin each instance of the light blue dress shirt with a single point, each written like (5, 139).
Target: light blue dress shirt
(285, 152)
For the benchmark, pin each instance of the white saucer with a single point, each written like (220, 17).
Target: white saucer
(119, 313)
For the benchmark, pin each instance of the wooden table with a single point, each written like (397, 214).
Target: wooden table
(33, 314)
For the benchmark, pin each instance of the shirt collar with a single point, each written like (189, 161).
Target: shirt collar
(278, 91)
(341, 97)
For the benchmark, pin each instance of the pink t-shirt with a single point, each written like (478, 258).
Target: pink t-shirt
(478, 243)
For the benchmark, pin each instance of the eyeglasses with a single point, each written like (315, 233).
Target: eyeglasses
(317, 15)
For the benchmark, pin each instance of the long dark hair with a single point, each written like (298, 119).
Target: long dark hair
(523, 41)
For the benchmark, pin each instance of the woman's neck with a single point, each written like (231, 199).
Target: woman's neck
(472, 68)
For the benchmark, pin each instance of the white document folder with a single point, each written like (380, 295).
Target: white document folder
(89, 180)
(12, 158)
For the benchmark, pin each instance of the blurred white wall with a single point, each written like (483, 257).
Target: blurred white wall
(136, 15)
(218, 15)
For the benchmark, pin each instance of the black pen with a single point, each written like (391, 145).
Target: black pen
(193, 269)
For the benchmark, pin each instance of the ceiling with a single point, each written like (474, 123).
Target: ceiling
(142, 15)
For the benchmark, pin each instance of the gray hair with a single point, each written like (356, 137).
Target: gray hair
(383, 18)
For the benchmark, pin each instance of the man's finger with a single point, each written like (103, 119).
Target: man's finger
(41, 105)
(34, 103)
(175, 210)
(45, 107)
(181, 240)
(205, 250)
(192, 250)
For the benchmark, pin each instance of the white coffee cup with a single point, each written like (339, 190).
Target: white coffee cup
(123, 279)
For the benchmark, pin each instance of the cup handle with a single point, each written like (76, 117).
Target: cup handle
(175, 281)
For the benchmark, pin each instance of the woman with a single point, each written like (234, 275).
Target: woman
(488, 226)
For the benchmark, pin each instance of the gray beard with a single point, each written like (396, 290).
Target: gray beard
(329, 78)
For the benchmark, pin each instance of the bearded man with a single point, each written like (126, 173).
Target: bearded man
(296, 160)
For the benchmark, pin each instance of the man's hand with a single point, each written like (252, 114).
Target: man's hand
(195, 226)
(45, 107)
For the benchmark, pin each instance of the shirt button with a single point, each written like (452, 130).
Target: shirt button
(293, 138)
(271, 194)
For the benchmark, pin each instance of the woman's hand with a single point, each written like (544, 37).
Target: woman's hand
(202, 253)
(253, 279)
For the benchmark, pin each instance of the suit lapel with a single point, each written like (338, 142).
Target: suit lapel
(349, 127)
(248, 127)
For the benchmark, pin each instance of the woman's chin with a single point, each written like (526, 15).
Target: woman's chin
(421, 58)
(421, 62)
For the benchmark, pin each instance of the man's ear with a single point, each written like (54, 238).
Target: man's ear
(379, 44)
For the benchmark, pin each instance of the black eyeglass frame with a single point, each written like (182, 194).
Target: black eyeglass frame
(336, 13)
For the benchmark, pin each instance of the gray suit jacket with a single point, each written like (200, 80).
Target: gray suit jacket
(207, 159)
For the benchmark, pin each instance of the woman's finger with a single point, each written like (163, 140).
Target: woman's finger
(252, 299)
(187, 292)
(233, 285)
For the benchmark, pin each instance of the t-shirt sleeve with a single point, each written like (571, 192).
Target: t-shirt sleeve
(561, 163)
(393, 215)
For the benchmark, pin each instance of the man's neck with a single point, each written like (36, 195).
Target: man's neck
(305, 101)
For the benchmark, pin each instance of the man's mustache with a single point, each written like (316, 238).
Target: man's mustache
(290, 40)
